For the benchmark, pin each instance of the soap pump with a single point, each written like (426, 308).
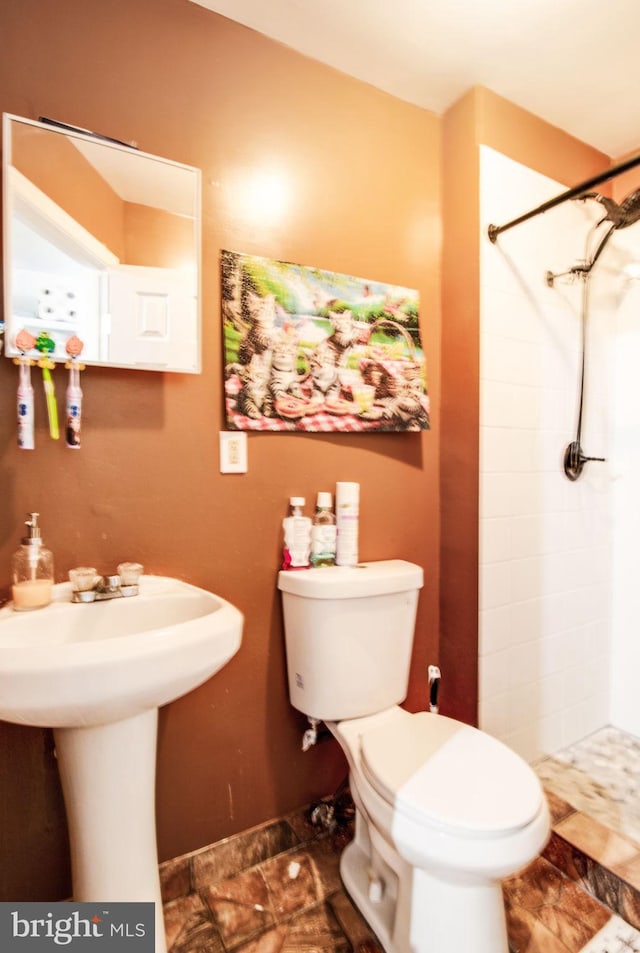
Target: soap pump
(31, 570)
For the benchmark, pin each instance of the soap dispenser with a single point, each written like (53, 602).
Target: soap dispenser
(32, 570)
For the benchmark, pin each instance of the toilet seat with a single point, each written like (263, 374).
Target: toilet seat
(441, 772)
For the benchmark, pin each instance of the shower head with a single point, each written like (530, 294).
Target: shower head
(622, 214)
(630, 207)
(618, 215)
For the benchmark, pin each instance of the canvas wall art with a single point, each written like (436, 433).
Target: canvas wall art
(315, 351)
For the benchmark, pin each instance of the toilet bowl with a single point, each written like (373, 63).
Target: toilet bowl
(444, 811)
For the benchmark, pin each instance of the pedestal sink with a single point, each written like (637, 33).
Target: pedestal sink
(97, 674)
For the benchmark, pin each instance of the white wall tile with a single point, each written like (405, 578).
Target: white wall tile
(509, 405)
(523, 706)
(493, 715)
(493, 674)
(526, 620)
(508, 450)
(545, 587)
(526, 536)
(494, 585)
(550, 734)
(527, 578)
(625, 474)
(495, 540)
(551, 688)
(495, 495)
(524, 665)
(496, 630)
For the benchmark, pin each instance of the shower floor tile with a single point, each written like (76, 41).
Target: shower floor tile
(599, 776)
(592, 788)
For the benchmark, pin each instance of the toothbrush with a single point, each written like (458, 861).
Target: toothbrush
(25, 405)
(50, 395)
(73, 416)
(46, 345)
(25, 342)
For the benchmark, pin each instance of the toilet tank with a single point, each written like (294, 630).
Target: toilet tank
(348, 636)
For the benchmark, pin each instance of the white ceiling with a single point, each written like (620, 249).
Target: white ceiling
(575, 63)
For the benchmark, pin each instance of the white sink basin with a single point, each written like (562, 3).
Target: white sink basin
(74, 665)
(96, 673)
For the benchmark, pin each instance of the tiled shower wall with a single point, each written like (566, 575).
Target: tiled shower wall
(544, 541)
(625, 439)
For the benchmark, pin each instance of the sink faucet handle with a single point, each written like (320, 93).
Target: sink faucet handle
(130, 573)
(83, 578)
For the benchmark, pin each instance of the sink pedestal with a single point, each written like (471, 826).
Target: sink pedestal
(108, 781)
(97, 673)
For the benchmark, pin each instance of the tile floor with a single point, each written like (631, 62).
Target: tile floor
(277, 888)
(600, 776)
(592, 788)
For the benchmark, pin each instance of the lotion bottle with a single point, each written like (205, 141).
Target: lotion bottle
(297, 536)
(31, 570)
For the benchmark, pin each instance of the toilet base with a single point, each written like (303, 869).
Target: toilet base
(445, 917)
(354, 871)
(450, 917)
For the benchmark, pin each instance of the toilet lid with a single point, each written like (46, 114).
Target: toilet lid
(438, 769)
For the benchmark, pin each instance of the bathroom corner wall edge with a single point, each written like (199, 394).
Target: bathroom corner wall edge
(458, 653)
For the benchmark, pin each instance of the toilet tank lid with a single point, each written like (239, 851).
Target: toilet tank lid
(352, 582)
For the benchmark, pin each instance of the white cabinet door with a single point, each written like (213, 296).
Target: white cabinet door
(152, 318)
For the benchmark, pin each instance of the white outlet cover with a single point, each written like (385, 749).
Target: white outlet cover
(233, 452)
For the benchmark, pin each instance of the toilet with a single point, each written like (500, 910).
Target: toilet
(444, 812)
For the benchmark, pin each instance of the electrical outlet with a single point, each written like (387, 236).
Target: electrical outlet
(233, 452)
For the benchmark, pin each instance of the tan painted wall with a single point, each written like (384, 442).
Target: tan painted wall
(626, 183)
(363, 173)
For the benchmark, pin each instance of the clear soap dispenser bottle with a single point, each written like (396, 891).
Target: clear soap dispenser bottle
(32, 570)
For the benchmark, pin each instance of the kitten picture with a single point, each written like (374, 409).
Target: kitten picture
(315, 351)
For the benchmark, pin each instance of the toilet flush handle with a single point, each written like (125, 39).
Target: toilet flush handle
(434, 687)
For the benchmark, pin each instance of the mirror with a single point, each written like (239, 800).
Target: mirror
(101, 242)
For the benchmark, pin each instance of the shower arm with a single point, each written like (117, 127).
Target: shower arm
(494, 230)
(583, 270)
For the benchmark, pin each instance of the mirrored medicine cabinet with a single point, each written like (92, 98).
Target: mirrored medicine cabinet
(101, 242)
